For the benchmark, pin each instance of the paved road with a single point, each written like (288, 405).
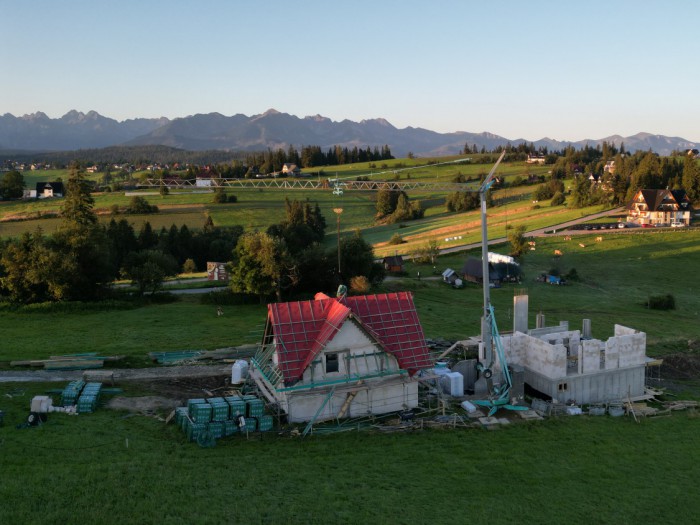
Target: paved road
(540, 232)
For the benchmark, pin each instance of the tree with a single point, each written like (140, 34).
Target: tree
(81, 241)
(189, 266)
(359, 285)
(261, 265)
(428, 252)
(518, 242)
(140, 205)
(357, 258)
(12, 185)
(148, 269)
(691, 179)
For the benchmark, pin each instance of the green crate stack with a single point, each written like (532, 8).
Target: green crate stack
(219, 408)
(249, 397)
(191, 402)
(265, 423)
(238, 406)
(250, 424)
(230, 427)
(71, 392)
(180, 414)
(87, 403)
(200, 413)
(256, 407)
(194, 429)
(217, 429)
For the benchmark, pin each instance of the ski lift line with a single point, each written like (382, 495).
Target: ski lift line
(325, 185)
(392, 172)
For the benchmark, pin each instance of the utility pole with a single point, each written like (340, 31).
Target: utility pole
(337, 212)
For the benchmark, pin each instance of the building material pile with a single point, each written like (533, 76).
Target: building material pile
(84, 361)
(203, 420)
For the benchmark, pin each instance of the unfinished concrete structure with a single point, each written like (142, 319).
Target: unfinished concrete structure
(563, 364)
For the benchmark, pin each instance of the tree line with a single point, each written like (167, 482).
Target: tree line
(82, 259)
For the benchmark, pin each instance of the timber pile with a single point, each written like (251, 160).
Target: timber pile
(68, 362)
(229, 354)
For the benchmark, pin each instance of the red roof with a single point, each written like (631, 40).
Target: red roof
(303, 328)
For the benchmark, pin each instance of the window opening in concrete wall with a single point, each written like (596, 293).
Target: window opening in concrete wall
(331, 363)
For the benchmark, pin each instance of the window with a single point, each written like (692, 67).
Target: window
(331, 363)
(563, 387)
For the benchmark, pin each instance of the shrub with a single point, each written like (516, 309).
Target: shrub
(140, 205)
(557, 199)
(661, 302)
(396, 239)
(359, 285)
(572, 275)
(189, 266)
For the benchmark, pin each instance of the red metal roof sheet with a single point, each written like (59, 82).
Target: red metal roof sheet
(303, 328)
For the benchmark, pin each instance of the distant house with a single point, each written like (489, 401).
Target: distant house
(393, 263)
(291, 169)
(609, 167)
(204, 181)
(451, 277)
(595, 178)
(92, 169)
(46, 190)
(341, 357)
(535, 158)
(472, 271)
(216, 271)
(659, 207)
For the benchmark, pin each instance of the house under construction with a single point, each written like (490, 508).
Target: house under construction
(341, 357)
(569, 364)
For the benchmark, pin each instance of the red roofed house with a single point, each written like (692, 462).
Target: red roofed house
(346, 357)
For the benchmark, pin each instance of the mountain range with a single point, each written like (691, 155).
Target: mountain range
(272, 129)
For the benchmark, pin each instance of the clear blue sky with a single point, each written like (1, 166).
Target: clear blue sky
(563, 69)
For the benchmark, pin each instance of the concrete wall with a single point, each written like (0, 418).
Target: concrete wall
(390, 395)
(529, 352)
(601, 387)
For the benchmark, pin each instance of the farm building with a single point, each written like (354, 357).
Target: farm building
(570, 365)
(341, 357)
(393, 263)
(502, 268)
(45, 190)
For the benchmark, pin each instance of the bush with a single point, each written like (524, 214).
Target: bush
(396, 239)
(140, 205)
(220, 197)
(661, 302)
(557, 199)
(189, 266)
(572, 275)
(359, 285)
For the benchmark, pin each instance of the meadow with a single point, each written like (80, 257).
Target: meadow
(107, 467)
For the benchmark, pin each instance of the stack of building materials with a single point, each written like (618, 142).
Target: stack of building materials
(70, 393)
(221, 417)
(89, 397)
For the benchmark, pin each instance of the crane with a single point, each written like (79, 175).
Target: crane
(498, 395)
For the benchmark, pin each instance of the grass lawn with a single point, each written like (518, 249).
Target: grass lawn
(573, 470)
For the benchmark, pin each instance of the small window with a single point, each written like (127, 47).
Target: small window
(563, 387)
(331, 363)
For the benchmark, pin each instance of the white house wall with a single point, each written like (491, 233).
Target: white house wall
(391, 395)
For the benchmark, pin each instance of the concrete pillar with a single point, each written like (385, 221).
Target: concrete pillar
(539, 320)
(586, 330)
(520, 312)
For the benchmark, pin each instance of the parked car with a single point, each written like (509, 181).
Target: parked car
(647, 225)
(677, 224)
(621, 225)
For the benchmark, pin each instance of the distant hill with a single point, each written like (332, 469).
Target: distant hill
(272, 129)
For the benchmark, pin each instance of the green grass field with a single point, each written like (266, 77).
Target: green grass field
(105, 468)
(109, 467)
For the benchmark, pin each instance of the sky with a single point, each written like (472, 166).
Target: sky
(567, 70)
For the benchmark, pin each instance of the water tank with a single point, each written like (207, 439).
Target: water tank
(239, 371)
(441, 368)
(453, 383)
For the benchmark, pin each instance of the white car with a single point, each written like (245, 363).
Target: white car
(677, 224)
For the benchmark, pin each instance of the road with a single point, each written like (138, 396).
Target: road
(540, 232)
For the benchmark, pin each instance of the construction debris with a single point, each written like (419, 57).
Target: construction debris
(69, 361)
